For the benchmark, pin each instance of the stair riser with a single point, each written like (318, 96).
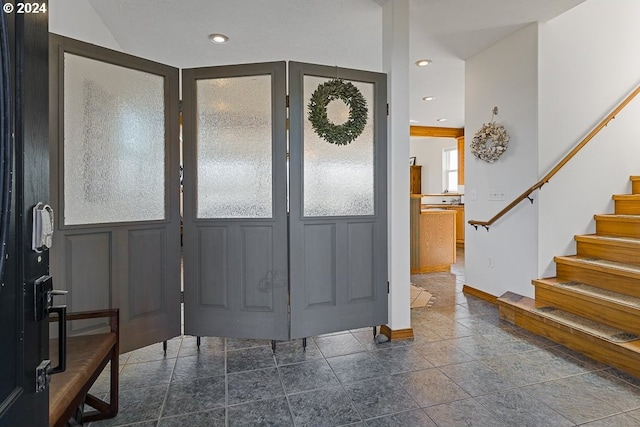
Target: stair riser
(635, 187)
(617, 228)
(600, 279)
(627, 207)
(594, 249)
(598, 349)
(590, 308)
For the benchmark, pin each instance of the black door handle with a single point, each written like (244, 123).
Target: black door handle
(62, 338)
(43, 306)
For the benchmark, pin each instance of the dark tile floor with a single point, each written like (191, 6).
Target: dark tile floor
(465, 367)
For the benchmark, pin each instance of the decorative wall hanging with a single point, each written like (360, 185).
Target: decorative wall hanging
(347, 132)
(490, 141)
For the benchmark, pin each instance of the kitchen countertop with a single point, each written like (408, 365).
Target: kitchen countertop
(440, 206)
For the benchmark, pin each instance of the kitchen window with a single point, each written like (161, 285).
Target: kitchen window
(450, 169)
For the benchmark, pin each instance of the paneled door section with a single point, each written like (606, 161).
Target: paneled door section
(238, 279)
(235, 206)
(115, 188)
(338, 209)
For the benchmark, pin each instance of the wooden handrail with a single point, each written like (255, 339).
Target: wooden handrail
(548, 176)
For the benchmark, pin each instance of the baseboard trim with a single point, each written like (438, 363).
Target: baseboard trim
(397, 334)
(431, 269)
(480, 294)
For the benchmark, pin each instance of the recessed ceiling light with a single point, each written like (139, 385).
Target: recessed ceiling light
(423, 62)
(429, 98)
(442, 120)
(218, 38)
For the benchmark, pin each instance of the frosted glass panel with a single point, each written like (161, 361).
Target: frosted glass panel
(234, 147)
(114, 143)
(338, 179)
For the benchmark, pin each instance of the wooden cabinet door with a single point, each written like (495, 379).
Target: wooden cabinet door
(416, 180)
(460, 225)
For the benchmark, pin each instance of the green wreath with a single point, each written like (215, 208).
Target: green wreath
(338, 134)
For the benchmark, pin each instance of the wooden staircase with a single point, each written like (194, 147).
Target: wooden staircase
(593, 303)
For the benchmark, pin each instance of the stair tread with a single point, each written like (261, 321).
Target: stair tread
(613, 239)
(517, 299)
(593, 291)
(574, 321)
(626, 197)
(599, 262)
(586, 325)
(618, 217)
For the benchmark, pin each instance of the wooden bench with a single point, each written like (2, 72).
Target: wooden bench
(87, 356)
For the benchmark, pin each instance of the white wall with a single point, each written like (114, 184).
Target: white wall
(78, 20)
(428, 153)
(588, 63)
(504, 75)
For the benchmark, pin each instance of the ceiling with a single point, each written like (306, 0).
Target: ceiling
(346, 33)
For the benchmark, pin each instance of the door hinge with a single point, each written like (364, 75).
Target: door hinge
(180, 105)
(387, 286)
(43, 376)
(181, 297)
(287, 104)
(387, 109)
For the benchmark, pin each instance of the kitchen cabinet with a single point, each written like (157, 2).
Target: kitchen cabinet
(433, 238)
(460, 223)
(415, 180)
(460, 219)
(460, 140)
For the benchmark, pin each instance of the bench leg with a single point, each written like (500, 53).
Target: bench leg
(164, 347)
(79, 415)
(103, 409)
(114, 387)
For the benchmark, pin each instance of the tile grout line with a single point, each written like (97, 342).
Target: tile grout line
(286, 396)
(226, 384)
(166, 394)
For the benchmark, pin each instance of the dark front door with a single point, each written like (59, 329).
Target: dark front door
(24, 39)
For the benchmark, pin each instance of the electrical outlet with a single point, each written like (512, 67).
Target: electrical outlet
(496, 195)
(473, 194)
(490, 262)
